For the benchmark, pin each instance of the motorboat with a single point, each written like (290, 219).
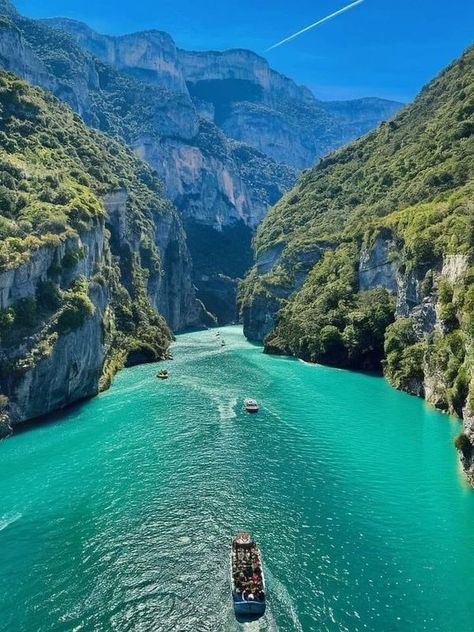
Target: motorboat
(251, 405)
(248, 581)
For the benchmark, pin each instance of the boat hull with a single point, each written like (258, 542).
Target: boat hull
(244, 608)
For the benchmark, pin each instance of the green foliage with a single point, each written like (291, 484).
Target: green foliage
(409, 183)
(7, 318)
(404, 356)
(417, 159)
(464, 446)
(72, 257)
(266, 179)
(77, 308)
(54, 171)
(399, 335)
(25, 312)
(48, 297)
(327, 321)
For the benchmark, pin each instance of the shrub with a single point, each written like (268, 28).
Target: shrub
(464, 445)
(7, 318)
(48, 296)
(78, 308)
(399, 335)
(25, 312)
(72, 257)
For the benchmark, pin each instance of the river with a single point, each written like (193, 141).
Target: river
(118, 514)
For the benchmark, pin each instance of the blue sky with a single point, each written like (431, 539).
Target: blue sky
(386, 48)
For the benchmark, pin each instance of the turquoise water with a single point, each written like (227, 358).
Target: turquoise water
(118, 515)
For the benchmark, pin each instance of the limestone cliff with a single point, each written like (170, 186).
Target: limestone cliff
(92, 258)
(133, 87)
(392, 288)
(45, 371)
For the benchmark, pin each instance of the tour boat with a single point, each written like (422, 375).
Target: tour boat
(248, 582)
(251, 405)
(162, 375)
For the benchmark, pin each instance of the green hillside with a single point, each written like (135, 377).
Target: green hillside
(410, 184)
(54, 173)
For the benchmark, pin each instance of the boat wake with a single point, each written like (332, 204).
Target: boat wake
(226, 408)
(9, 519)
(278, 592)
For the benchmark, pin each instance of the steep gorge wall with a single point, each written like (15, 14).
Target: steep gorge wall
(393, 289)
(45, 371)
(202, 171)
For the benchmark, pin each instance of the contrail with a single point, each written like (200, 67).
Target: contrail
(312, 26)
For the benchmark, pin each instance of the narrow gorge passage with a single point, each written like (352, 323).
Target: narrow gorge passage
(119, 514)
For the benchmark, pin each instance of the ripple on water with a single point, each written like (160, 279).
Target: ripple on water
(350, 488)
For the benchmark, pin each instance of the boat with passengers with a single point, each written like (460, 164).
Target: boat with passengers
(248, 582)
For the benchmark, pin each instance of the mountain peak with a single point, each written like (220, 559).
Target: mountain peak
(7, 8)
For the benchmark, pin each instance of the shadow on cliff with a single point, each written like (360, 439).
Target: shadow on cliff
(52, 418)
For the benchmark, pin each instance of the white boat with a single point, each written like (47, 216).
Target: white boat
(248, 581)
(251, 405)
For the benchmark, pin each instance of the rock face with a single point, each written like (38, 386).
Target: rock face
(71, 373)
(202, 169)
(376, 267)
(69, 370)
(467, 457)
(170, 290)
(260, 107)
(151, 55)
(413, 302)
(223, 130)
(395, 289)
(93, 258)
(193, 116)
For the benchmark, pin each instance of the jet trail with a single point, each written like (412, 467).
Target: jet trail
(312, 26)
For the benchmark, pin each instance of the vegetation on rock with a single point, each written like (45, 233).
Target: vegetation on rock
(55, 172)
(409, 184)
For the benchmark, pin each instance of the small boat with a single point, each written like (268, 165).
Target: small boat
(248, 582)
(163, 375)
(251, 405)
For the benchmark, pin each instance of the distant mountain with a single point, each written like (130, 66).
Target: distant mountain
(240, 93)
(192, 116)
(369, 260)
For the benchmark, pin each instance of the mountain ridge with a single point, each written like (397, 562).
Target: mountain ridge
(368, 261)
(247, 67)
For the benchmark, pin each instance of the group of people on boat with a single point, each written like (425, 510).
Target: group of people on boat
(247, 574)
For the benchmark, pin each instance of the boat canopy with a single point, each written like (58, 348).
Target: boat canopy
(243, 539)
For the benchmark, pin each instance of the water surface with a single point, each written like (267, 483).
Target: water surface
(118, 515)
